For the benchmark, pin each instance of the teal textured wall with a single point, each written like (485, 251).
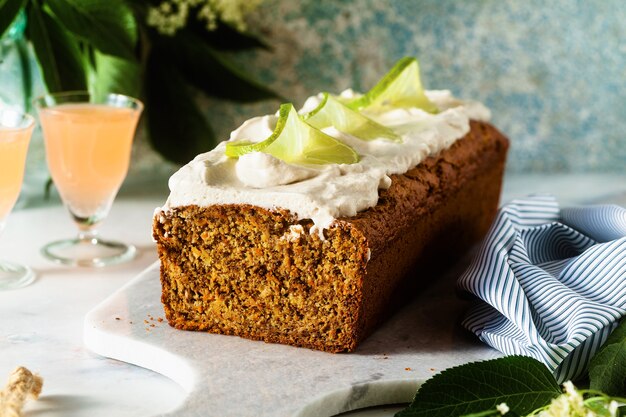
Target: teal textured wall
(552, 72)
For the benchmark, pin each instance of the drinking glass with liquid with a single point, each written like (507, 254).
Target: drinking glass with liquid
(16, 128)
(88, 144)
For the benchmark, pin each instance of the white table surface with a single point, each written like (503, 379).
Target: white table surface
(41, 326)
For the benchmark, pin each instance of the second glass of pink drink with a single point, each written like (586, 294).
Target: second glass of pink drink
(15, 131)
(88, 146)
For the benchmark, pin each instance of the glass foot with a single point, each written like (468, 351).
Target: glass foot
(14, 276)
(88, 252)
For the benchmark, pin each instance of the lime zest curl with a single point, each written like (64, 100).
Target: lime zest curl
(332, 112)
(296, 142)
(400, 87)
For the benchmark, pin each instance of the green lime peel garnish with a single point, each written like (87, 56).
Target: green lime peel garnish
(400, 87)
(296, 142)
(331, 112)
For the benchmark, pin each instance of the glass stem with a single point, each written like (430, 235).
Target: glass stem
(87, 231)
(88, 235)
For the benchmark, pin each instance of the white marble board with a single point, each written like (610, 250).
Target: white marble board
(230, 376)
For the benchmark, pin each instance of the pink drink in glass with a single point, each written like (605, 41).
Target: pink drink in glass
(16, 129)
(13, 148)
(88, 145)
(88, 149)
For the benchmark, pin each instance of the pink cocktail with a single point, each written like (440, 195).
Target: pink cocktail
(16, 129)
(88, 146)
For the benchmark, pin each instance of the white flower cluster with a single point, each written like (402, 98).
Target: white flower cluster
(572, 404)
(502, 408)
(172, 15)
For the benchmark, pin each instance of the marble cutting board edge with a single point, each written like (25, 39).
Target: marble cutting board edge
(231, 376)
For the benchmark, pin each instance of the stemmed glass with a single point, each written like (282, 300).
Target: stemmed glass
(88, 142)
(16, 129)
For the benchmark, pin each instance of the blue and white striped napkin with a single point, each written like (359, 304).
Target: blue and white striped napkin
(552, 282)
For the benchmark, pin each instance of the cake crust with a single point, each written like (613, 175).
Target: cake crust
(260, 274)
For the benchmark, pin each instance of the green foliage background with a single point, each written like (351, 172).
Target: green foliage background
(105, 46)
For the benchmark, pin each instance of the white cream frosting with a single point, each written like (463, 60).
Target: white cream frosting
(322, 193)
(261, 170)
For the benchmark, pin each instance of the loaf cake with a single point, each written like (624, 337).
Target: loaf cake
(314, 260)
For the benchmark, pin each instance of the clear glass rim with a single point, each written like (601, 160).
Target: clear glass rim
(14, 275)
(112, 99)
(12, 119)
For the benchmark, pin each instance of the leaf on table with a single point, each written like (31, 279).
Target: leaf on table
(523, 383)
(211, 71)
(8, 12)
(177, 128)
(491, 413)
(108, 26)
(115, 75)
(57, 53)
(607, 369)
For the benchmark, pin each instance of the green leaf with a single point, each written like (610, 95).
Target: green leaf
(177, 128)
(115, 75)
(523, 383)
(607, 369)
(8, 12)
(23, 53)
(599, 406)
(57, 53)
(491, 413)
(211, 71)
(108, 26)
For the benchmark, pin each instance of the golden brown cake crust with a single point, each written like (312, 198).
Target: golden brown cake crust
(245, 270)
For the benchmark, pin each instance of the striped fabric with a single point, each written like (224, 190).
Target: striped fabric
(552, 282)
